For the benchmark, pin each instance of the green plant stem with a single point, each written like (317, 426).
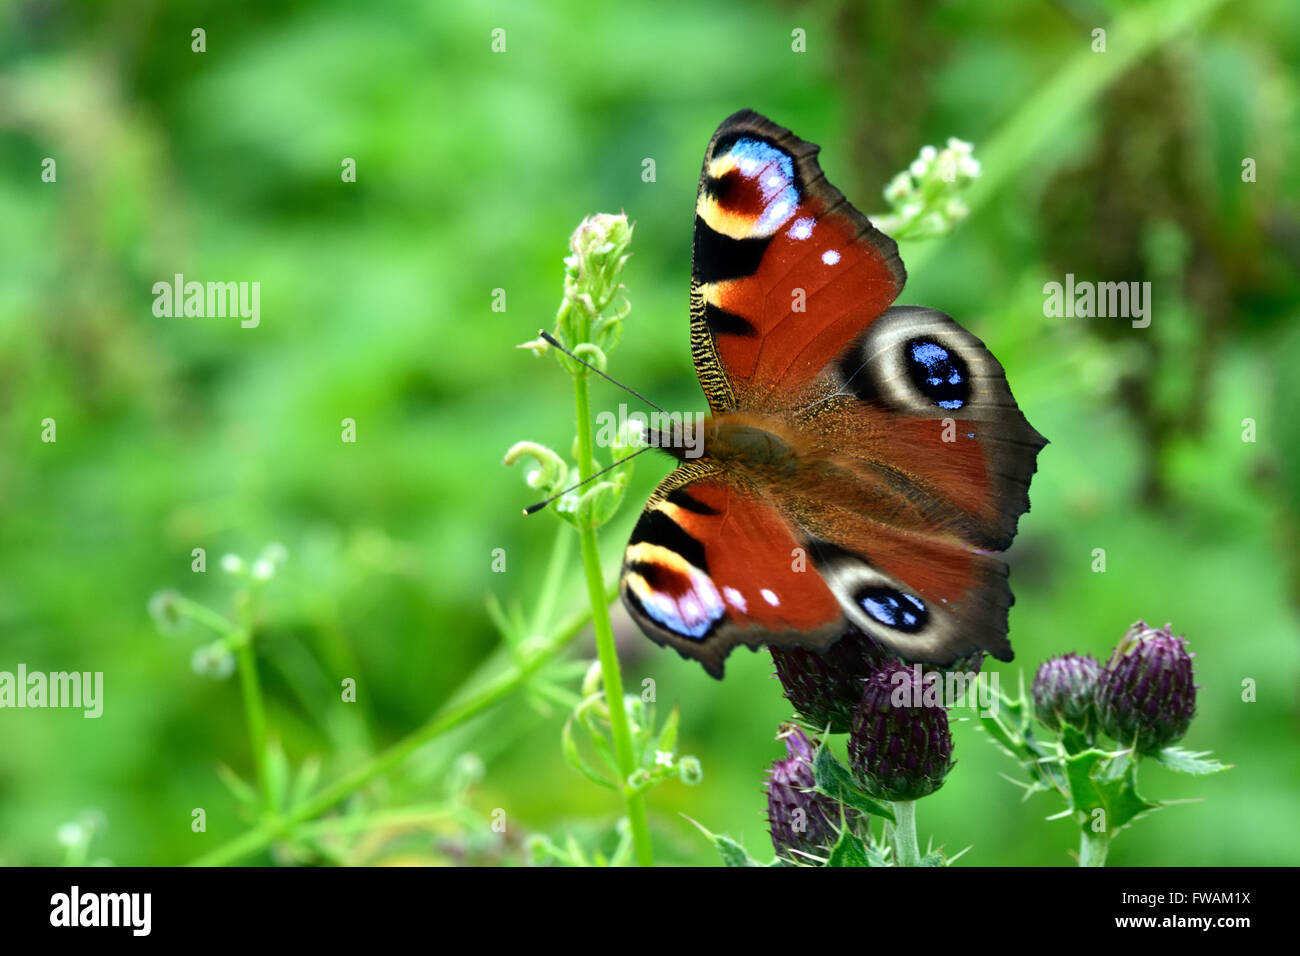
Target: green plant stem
(254, 714)
(1093, 848)
(906, 850)
(206, 616)
(488, 695)
(610, 674)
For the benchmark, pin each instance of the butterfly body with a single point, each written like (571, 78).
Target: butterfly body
(862, 464)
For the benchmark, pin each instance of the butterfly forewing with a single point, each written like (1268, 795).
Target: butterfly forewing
(785, 271)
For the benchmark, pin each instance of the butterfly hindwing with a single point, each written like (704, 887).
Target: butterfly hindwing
(711, 566)
(924, 462)
(954, 434)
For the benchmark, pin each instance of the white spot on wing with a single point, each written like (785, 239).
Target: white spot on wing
(830, 257)
(735, 598)
(802, 229)
(770, 597)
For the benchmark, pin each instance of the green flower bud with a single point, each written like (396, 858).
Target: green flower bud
(213, 660)
(165, 609)
(689, 769)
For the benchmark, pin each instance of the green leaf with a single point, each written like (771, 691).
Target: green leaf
(242, 792)
(498, 617)
(574, 757)
(623, 852)
(848, 851)
(1010, 726)
(932, 859)
(277, 775)
(1074, 740)
(834, 780)
(1187, 761)
(1094, 785)
(732, 853)
(305, 782)
(1114, 768)
(589, 713)
(574, 851)
(668, 736)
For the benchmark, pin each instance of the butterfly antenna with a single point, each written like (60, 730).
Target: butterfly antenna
(532, 509)
(551, 339)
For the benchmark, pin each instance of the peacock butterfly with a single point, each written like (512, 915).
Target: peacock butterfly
(862, 462)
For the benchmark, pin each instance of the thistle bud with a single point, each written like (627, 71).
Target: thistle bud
(826, 688)
(798, 820)
(1064, 689)
(1145, 695)
(899, 748)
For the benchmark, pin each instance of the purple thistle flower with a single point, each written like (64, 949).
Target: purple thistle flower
(1064, 690)
(826, 688)
(1145, 695)
(799, 820)
(899, 748)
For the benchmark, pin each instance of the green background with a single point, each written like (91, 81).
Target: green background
(472, 169)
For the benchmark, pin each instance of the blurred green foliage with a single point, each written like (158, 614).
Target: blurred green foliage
(472, 169)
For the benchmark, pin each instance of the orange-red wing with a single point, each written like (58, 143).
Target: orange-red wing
(785, 272)
(926, 597)
(710, 567)
(924, 410)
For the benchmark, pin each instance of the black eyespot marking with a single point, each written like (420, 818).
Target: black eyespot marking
(719, 187)
(892, 608)
(938, 373)
(656, 527)
(682, 499)
(717, 257)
